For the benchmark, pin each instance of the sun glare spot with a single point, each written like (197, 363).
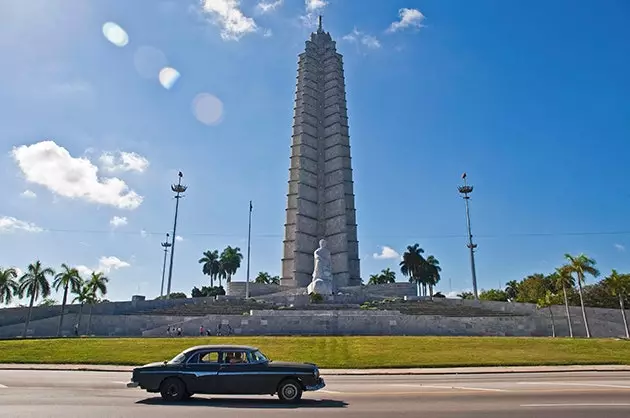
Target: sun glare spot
(115, 34)
(207, 108)
(168, 76)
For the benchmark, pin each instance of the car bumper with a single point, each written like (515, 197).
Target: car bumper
(319, 385)
(133, 384)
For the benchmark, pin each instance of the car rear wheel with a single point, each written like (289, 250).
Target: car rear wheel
(173, 390)
(290, 391)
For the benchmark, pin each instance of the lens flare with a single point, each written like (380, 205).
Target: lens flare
(115, 34)
(207, 108)
(168, 76)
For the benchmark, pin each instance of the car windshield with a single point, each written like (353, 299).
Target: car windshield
(178, 359)
(258, 357)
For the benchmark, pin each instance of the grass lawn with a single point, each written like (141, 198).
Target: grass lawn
(333, 352)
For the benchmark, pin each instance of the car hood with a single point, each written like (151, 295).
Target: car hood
(156, 364)
(289, 365)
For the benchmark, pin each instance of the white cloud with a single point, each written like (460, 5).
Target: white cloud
(357, 36)
(315, 5)
(409, 18)
(105, 266)
(123, 161)
(267, 33)
(28, 194)
(117, 221)
(143, 233)
(179, 238)
(50, 165)
(267, 6)
(227, 14)
(620, 247)
(11, 224)
(386, 253)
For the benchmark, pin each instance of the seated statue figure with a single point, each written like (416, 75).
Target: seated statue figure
(322, 271)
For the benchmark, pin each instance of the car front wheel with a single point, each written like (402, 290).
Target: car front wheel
(173, 390)
(290, 391)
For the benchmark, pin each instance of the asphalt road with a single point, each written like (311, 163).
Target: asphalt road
(104, 394)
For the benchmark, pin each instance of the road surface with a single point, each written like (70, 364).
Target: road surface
(31, 393)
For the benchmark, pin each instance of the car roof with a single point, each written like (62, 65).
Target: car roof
(221, 347)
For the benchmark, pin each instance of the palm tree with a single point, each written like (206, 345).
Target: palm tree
(582, 265)
(69, 279)
(511, 289)
(8, 285)
(433, 268)
(83, 296)
(263, 278)
(231, 261)
(222, 273)
(96, 284)
(564, 280)
(547, 302)
(412, 264)
(210, 267)
(619, 285)
(34, 284)
(384, 277)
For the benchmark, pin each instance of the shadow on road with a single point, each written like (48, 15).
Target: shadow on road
(248, 403)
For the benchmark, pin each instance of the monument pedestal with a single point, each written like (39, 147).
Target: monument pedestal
(321, 287)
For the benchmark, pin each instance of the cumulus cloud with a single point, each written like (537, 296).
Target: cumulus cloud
(267, 6)
(620, 247)
(315, 5)
(386, 254)
(28, 194)
(11, 224)
(409, 18)
(359, 37)
(117, 221)
(123, 161)
(105, 265)
(50, 165)
(179, 238)
(229, 17)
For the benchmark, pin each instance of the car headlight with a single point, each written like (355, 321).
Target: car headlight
(316, 372)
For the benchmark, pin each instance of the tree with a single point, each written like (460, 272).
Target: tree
(210, 265)
(412, 264)
(548, 301)
(511, 290)
(619, 285)
(564, 280)
(263, 278)
(496, 295)
(83, 296)
(69, 279)
(384, 277)
(534, 287)
(206, 292)
(47, 302)
(34, 283)
(466, 295)
(8, 285)
(231, 260)
(433, 269)
(96, 284)
(582, 265)
(222, 273)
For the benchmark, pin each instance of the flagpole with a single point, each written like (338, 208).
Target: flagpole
(249, 240)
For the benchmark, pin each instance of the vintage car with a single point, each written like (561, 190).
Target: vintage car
(226, 370)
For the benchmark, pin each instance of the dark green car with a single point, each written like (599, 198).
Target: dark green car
(226, 370)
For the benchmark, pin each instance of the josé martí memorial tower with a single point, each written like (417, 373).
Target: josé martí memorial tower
(320, 201)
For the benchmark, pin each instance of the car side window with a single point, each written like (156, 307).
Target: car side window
(235, 357)
(209, 357)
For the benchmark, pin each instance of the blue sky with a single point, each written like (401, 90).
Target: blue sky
(529, 98)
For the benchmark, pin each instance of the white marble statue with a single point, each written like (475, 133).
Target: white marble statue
(322, 271)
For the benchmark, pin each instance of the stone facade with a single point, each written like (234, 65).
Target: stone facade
(320, 200)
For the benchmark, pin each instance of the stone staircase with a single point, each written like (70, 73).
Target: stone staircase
(218, 307)
(425, 307)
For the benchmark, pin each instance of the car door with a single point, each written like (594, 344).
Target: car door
(237, 377)
(203, 369)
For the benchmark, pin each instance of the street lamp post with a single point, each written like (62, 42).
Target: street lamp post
(166, 246)
(178, 189)
(249, 240)
(465, 190)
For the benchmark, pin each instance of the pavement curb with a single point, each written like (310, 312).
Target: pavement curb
(353, 372)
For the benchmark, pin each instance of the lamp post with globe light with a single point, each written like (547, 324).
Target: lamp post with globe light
(466, 190)
(166, 245)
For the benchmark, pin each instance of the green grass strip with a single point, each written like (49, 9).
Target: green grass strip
(333, 352)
